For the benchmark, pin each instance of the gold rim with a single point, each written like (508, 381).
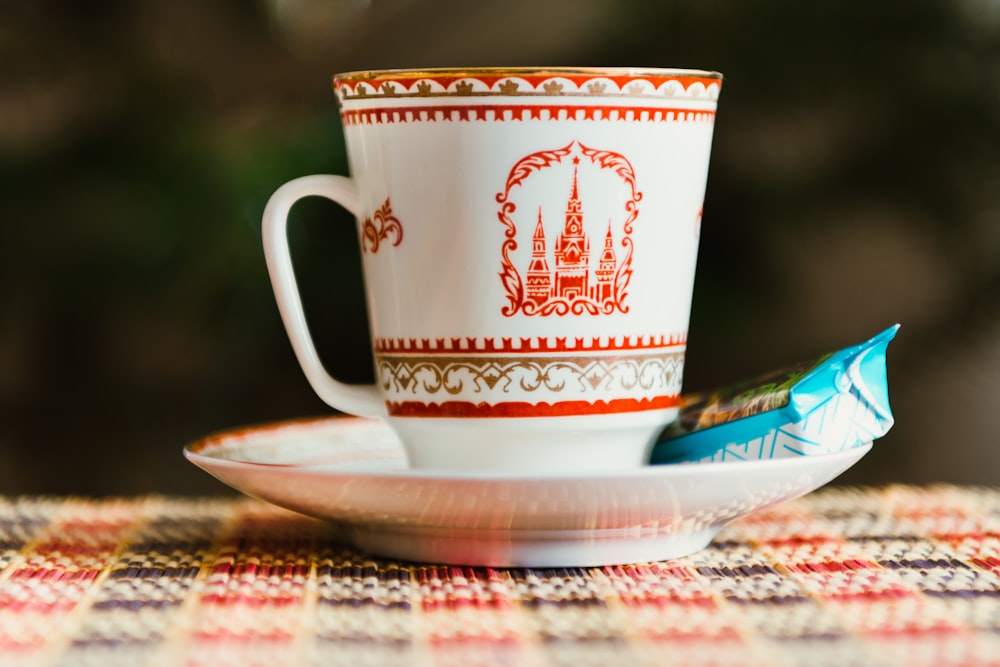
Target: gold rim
(637, 72)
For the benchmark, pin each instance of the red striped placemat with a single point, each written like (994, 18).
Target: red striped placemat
(886, 576)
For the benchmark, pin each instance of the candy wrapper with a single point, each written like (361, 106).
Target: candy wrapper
(838, 402)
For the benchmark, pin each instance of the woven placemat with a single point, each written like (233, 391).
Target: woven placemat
(887, 576)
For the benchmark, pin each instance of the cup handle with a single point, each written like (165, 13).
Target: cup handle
(364, 400)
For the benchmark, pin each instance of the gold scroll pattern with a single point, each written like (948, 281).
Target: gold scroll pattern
(658, 372)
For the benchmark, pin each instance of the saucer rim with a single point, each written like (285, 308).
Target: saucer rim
(198, 450)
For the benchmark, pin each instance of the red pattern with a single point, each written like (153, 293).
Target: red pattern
(469, 345)
(521, 112)
(517, 297)
(376, 229)
(525, 409)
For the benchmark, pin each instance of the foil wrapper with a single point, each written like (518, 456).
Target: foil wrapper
(835, 403)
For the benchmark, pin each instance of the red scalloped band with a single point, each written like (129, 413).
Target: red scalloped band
(520, 112)
(524, 409)
(467, 345)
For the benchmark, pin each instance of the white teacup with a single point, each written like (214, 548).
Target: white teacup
(529, 238)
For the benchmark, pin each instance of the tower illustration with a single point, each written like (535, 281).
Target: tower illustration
(539, 278)
(572, 279)
(572, 249)
(604, 289)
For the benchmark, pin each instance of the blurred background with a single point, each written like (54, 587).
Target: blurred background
(855, 182)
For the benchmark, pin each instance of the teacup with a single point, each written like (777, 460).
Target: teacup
(528, 239)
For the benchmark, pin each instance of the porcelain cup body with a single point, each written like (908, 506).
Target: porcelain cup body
(529, 239)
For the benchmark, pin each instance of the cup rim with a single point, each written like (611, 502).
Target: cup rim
(522, 71)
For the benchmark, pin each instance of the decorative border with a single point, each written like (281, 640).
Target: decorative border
(522, 112)
(522, 409)
(703, 86)
(483, 385)
(483, 374)
(472, 345)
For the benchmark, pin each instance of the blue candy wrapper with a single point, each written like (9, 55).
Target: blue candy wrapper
(836, 403)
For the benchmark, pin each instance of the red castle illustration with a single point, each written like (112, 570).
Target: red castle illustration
(573, 278)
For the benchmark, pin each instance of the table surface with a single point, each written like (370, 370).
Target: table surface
(881, 576)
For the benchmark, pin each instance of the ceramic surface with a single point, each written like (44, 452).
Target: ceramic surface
(353, 472)
(528, 238)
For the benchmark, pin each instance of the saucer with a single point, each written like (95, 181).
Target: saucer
(352, 472)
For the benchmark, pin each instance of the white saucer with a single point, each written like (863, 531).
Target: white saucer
(353, 472)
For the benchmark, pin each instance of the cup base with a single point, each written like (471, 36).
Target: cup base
(533, 445)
